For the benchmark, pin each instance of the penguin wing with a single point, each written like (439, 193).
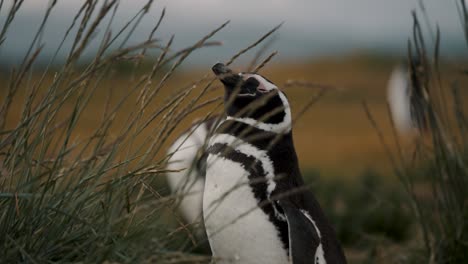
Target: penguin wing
(304, 239)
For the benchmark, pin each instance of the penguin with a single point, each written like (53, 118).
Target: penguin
(186, 169)
(256, 207)
(407, 102)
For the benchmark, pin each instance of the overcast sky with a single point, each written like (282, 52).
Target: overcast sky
(311, 28)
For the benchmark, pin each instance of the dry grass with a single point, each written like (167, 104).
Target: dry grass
(334, 131)
(82, 147)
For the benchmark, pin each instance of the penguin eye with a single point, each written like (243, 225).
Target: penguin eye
(258, 84)
(249, 86)
(261, 88)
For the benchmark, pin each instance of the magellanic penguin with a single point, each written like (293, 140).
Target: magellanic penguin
(407, 100)
(255, 205)
(186, 166)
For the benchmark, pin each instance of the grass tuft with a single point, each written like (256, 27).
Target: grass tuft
(435, 174)
(66, 196)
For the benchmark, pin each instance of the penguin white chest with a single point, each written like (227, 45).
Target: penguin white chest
(238, 230)
(187, 183)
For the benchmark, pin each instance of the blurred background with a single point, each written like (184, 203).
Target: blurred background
(352, 47)
(312, 29)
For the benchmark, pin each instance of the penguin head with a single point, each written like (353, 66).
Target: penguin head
(251, 98)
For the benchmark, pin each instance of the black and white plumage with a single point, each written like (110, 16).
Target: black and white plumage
(256, 208)
(407, 100)
(187, 166)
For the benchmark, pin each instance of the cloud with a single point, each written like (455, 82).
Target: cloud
(316, 27)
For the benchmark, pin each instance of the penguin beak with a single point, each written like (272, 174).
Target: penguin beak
(226, 76)
(220, 69)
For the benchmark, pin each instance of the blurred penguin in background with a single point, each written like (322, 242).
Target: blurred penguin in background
(186, 164)
(407, 101)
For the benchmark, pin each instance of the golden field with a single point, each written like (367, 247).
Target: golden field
(333, 136)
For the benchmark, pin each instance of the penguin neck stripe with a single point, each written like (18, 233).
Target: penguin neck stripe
(283, 127)
(256, 173)
(250, 150)
(259, 182)
(262, 157)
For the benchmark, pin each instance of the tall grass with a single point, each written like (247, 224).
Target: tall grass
(93, 198)
(435, 174)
